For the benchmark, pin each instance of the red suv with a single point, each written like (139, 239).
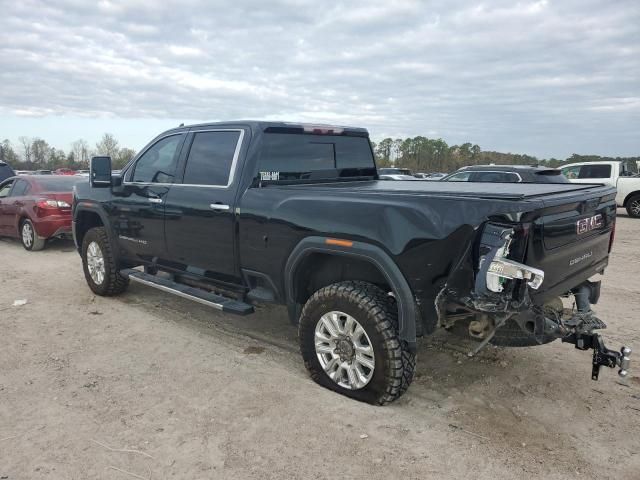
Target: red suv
(35, 208)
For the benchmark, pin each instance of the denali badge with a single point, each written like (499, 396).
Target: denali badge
(573, 261)
(587, 224)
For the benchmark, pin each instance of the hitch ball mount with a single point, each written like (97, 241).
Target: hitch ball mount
(602, 356)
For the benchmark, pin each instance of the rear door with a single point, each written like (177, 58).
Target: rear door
(200, 218)
(137, 213)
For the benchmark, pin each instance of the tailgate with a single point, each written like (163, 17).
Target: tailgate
(571, 238)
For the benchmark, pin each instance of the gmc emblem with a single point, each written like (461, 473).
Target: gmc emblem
(587, 224)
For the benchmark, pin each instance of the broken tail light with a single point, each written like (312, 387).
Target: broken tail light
(499, 244)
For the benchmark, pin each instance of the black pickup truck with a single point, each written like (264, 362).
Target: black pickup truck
(236, 214)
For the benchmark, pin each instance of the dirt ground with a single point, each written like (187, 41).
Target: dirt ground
(147, 385)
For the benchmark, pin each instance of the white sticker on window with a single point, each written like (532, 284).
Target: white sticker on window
(269, 176)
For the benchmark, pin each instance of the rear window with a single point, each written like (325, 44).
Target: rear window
(57, 183)
(288, 156)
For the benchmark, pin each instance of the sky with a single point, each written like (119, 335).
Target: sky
(546, 78)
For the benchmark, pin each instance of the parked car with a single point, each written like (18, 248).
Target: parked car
(395, 171)
(64, 171)
(429, 176)
(397, 177)
(34, 208)
(506, 174)
(236, 214)
(41, 172)
(620, 174)
(82, 173)
(436, 176)
(5, 171)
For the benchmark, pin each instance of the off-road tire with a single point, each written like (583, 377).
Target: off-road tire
(631, 203)
(113, 283)
(37, 243)
(377, 314)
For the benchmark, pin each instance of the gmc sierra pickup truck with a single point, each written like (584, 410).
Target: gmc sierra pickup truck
(236, 214)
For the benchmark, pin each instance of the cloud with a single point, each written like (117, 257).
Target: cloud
(539, 77)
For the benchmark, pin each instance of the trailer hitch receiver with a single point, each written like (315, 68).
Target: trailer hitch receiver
(602, 356)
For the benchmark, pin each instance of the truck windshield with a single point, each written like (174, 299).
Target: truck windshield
(295, 156)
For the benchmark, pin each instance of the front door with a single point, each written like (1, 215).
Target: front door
(137, 212)
(200, 218)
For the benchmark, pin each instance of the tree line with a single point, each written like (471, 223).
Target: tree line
(421, 154)
(34, 153)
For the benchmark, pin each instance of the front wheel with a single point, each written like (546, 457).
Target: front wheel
(633, 206)
(99, 264)
(349, 343)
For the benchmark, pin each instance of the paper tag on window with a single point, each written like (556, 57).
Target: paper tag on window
(269, 176)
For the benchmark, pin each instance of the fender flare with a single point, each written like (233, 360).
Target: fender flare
(407, 311)
(84, 206)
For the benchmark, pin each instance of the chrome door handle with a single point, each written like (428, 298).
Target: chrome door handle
(218, 206)
(155, 200)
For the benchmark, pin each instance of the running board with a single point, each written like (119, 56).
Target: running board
(227, 305)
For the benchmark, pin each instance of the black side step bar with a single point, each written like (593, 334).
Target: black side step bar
(227, 305)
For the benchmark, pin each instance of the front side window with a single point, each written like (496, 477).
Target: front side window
(158, 163)
(571, 172)
(5, 188)
(211, 158)
(20, 188)
(459, 177)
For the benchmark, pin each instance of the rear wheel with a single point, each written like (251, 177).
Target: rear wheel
(349, 343)
(30, 239)
(633, 206)
(99, 264)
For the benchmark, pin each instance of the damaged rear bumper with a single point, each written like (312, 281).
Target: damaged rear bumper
(504, 298)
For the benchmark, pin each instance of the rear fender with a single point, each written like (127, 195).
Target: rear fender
(362, 251)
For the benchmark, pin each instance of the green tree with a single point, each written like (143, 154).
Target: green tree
(108, 145)
(123, 157)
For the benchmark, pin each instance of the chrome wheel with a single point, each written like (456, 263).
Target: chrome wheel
(635, 208)
(344, 350)
(27, 234)
(95, 263)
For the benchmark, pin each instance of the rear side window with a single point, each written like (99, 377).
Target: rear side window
(595, 171)
(495, 177)
(158, 163)
(20, 188)
(211, 158)
(299, 156)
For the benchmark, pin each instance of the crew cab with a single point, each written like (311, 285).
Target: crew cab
(620, 174)
(233, 215)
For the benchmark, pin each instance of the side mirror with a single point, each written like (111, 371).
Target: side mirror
(100, 172)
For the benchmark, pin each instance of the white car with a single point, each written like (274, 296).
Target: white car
(619, 174)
